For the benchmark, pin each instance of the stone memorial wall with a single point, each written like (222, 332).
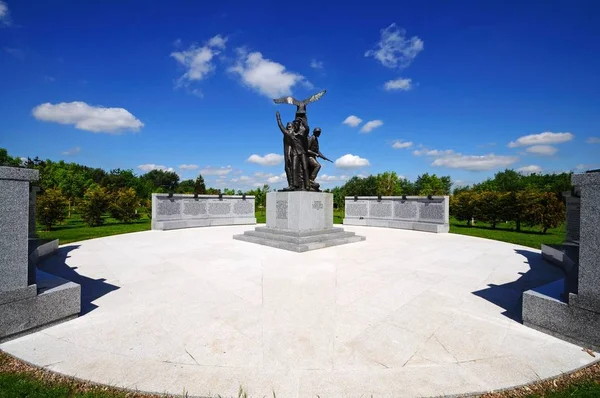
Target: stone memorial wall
(412, 212)
(188, 211)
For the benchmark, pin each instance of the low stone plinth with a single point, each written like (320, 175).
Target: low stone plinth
(299, 241)
(54, 300)
(189, 211)
(545, 309)
(299, 221)
(419, 213)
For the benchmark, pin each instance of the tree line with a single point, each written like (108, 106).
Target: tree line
(509, 196)
(533, 200)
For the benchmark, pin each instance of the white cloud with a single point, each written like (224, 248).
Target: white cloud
(198, 60)
(432, 152)
(369, 126)
(352, 121)
(394, 49)
(350, 161)
(216, 171)
(151, 166)
(277, 179)
(582, 167)
(546, 150)
(217, 41)
(474, 162)
(267, 77)
(270, 159)
(72, 151)
(398, 144)
(329, 178)
(529, 169)
(541, 139)
(96, 119)
(189, 167)
(316, 64)
(398, 84)
(449, 158)
(593, 140)
(4, 15)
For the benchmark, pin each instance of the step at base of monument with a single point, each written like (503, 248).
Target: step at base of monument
(299, 241)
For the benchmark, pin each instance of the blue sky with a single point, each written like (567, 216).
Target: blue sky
(459, 88)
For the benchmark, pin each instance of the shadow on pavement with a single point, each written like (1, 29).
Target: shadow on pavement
(91, 289)
(509, 296)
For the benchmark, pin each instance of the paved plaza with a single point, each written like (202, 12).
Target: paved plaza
(403, 313)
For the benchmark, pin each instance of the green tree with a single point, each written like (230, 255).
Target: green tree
(51, 208)
(463, 206)
(553, 211)
(521, 206)
(388, 184)
(154, 180)
(433, 185)
(186, 186)
(509, 181)
(490, 207)
(95, 203)
(73, 182)
(199, 186)
(7, 160)
(125, 204)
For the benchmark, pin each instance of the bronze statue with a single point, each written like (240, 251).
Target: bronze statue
(287, 156)
(313, 153)
(300, 151)
(300, 105)
(298, 138)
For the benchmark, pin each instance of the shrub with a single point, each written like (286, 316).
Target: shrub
(490, 207)
(545, 210)
(51, 208)
(463, 206)
(124, 206)
(95, 203)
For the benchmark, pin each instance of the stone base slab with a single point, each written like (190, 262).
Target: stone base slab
(57, 300)
(299, 241)
(201, 222)
(412, 225)
(544, 310)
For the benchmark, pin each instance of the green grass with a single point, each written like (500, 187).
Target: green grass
(580, 389)
(74, 229)
(505, 232)
(17, 385)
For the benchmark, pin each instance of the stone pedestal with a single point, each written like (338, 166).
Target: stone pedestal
(299, 221)
(572, 310)
(29, 299)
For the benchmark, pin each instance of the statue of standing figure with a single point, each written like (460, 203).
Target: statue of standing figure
(300, 151)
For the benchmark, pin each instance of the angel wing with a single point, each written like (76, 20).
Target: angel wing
(287, 100)
(314, 98)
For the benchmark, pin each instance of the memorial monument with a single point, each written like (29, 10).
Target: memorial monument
(300, 217)
(570, 308)
(29, 298)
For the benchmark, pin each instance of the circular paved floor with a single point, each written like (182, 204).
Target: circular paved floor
(404, 313)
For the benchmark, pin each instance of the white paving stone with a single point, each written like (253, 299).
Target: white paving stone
(402, 314)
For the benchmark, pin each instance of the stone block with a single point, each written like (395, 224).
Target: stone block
(299, 221)
(282, 239)
(299, 210)
(57, 300)
(14, 227)
(545, 310)
(588, 292)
